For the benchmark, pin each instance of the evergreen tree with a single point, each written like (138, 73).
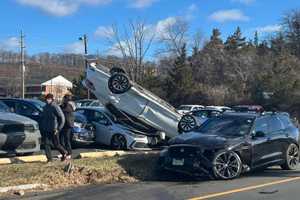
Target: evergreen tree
(235, 41)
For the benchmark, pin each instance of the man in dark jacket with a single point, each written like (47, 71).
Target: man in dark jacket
(52, 122)
(68, 108)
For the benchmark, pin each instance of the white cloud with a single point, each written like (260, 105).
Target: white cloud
(269, 28)
(104, 32)
(61, 8)
(76, 47)
(162, 26)
(141, 3)
(247, 2)
(229, 15)
(190, 11)
(10, 44)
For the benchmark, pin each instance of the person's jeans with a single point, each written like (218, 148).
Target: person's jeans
(66, 139)
(50, 138)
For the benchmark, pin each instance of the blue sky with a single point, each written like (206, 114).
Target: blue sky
(55, 25)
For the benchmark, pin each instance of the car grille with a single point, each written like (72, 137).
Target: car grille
(13, 128)
(184, 151)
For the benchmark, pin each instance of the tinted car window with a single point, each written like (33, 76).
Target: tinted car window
(285, 121)
(3, 107)
(275, 124)
(100, 118)
(261, 125)
(230, 126)
(11, 105)
(25, 109)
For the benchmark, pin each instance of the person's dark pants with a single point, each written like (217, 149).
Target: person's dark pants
(66, 139)
(50, 139)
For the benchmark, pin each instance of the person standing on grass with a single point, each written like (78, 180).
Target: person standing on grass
(52, 122)
(68, 107)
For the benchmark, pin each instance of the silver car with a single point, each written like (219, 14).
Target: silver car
(115, 91)
(18, 134)
(113, 131)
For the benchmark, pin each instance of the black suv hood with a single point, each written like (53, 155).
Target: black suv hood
(205, 140)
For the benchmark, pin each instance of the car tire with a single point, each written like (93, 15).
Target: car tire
(119, 83)
(226, 165)
(115, 70)
(291, 157)
(187, 123)
(118, 142)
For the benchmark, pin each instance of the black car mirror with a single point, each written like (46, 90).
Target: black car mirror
(259, 134)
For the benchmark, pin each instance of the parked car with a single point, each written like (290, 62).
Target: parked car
(31, 108)
(83, 133)
(221, 108)
(115, 91)
(18, 134)
(183, 109)
(115, 132)
(83, 102)
(248, 108)
(228, 145)
(206, 113)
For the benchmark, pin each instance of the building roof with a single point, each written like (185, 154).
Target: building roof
(59, 81)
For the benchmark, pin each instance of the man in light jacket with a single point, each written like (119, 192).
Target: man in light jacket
(52, 123)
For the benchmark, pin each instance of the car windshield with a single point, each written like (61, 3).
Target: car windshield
(3, 107)
(227, 126)
(39, 104)
(185, 108)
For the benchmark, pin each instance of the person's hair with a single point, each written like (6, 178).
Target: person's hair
(49, 96)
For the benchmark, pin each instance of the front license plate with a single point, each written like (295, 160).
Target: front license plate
(178, 162)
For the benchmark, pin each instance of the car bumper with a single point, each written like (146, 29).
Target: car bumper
(190, 163)
(31, 144)
(84, 137)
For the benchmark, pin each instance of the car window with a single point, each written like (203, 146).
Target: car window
(214, 113)
(200, 113)
(275, 124)
(25, 109)
(261, 125)
(11, 105)
(100, 118)
(285, 121)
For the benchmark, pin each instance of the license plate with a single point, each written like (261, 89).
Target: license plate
(178, 162)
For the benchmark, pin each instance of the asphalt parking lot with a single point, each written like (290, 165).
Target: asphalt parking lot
(269, 184)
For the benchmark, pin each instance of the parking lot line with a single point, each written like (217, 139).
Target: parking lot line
(245, 189)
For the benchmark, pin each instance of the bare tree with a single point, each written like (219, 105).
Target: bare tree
(174, 37)
(133, 42)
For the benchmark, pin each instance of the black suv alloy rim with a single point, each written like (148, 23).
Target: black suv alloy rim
(293, 155)
(119, 142)
(120, 82)
(187, 123)
(227, 165)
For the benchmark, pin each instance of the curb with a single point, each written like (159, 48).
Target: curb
(23, 159)
(21, 187)
(103, 154)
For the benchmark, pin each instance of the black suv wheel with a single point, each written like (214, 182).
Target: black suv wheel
(291, 158)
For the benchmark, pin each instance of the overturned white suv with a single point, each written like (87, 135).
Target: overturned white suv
(117, 92)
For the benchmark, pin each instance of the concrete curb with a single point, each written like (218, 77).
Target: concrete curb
(22, 187)
(23, 159)
(102, 154)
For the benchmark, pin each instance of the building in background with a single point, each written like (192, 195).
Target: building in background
(58, 86)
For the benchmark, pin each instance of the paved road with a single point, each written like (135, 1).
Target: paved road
(273, 184)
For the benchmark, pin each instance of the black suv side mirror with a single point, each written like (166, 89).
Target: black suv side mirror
(259, 134)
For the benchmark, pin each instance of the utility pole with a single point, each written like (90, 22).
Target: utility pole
(85, 43)
(22, 48)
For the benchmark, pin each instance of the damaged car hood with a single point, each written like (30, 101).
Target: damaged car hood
(205, 140)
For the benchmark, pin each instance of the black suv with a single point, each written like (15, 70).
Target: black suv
(225, 146)
(31, 108)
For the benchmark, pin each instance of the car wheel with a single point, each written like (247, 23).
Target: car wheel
(292, 158)
(187, 123)
(115, 70)
(118, 142)
(119, 83)
(226, 165)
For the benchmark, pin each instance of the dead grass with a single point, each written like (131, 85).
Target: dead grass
(124, 169)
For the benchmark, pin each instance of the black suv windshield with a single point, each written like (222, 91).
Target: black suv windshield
(3, 107)
(227, 126)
